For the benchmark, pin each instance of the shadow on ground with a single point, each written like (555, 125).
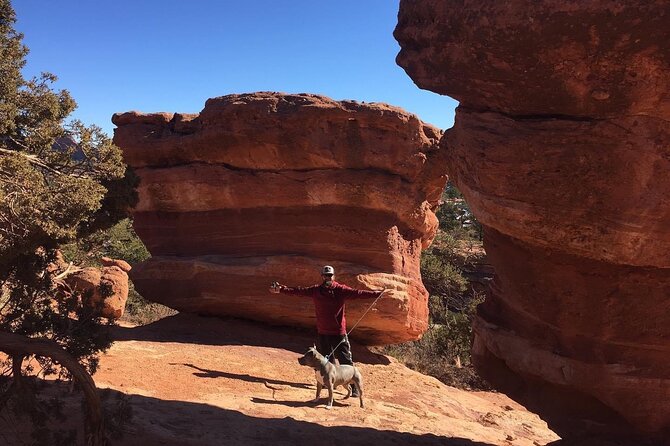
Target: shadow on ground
(206, 373)
(155, 421)
(186, 423)
(194, 329)
(179, 423)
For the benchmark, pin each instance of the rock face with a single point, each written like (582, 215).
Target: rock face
(561, 146)
(106, 286)
(267, 186)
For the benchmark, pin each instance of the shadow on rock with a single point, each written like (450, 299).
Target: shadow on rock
(206, 373)
(172, 423)
(136, 420)
(609, 441)
(194, 329)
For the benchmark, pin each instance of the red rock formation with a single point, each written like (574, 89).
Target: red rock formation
(106, 286)
(266, 186)
(561, 145)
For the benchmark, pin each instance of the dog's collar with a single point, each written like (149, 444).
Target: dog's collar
(323, 361)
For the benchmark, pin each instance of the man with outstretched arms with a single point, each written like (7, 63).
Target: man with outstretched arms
(329, 298)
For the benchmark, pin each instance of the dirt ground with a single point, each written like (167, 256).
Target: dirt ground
(208, 381)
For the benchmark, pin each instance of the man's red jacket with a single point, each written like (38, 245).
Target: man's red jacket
(329, 304)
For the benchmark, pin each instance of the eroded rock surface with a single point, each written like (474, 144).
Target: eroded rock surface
(267, 186)
(561, 146)
(105, 288)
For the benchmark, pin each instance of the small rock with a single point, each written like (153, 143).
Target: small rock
(600, 95)
(125, 266)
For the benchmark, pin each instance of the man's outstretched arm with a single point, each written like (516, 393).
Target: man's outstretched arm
(306, 291)
(351, 293)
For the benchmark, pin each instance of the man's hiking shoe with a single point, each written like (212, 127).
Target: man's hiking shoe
(354, 391)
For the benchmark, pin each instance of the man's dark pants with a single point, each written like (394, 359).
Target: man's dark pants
(326, 343)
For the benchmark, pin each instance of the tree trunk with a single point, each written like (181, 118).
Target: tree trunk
(21, 346)
(17, 376)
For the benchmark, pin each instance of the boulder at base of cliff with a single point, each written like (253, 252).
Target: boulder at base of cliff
(106, 286)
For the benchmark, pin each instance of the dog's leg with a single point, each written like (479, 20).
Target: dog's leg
(330, 395)
(319, 386)
(358, 379)
(348, 387)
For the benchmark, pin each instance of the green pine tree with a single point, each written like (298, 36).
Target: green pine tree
(59, 180)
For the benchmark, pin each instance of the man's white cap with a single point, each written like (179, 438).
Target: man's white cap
(328, 270)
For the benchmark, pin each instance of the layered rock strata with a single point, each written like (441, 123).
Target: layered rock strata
(267, 186)
(561, 146)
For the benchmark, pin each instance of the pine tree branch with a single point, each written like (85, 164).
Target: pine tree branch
(66, 272)
(35, 160)
(32, 159)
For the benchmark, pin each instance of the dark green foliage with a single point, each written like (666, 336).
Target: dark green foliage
(12, 59)
(116, 242)
(455, 216)
(444, 351)
(443, 279)
(121, 195)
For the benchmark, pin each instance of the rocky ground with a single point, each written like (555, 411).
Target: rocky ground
(208, 381)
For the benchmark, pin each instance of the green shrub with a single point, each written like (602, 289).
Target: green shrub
(444, 282)
(117, 242)
(455, 215)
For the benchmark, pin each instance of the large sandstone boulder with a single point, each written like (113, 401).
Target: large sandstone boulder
(267, 186)
(561, 145)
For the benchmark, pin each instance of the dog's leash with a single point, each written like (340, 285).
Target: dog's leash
(346, 335)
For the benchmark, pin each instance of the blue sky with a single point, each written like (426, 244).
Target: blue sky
(172, 55)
